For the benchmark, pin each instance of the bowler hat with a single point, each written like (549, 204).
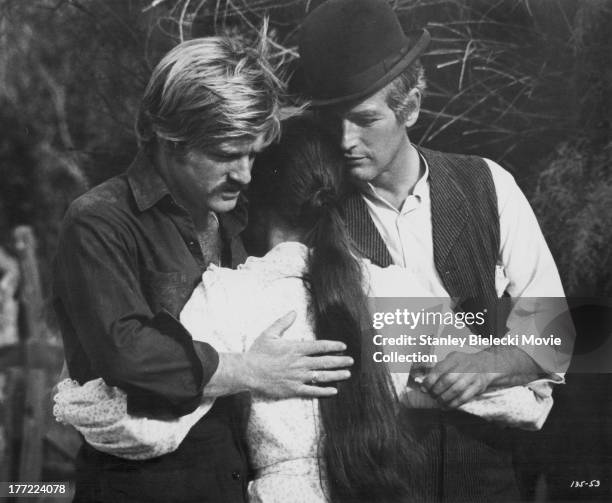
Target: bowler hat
(350, 49)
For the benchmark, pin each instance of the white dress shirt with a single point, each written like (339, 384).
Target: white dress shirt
(525, 267)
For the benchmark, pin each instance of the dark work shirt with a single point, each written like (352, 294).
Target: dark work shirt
(128, 260)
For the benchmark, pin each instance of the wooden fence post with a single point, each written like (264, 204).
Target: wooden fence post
(31, 456)
(11, 409)
(30, 293)
(31, 452)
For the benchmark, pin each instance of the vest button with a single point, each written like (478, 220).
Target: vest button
(236, 475)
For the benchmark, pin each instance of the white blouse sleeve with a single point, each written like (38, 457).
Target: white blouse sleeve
(525, 407)
(99, 413)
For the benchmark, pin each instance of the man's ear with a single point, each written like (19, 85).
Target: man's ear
(414, 100)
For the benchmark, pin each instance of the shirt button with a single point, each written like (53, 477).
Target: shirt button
(236, 475)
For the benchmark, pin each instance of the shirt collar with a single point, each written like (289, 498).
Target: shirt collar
(421, 187)
(147, 186)
(420, 190)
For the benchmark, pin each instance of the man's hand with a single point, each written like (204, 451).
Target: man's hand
(459, 378)
(276, 368)
(462, 376)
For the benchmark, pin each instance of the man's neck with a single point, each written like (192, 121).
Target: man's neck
(205, 221)
(396, 184)
(207, 232)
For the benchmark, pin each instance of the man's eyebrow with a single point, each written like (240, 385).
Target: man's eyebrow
(356, 115)
(224, 152)
(363, 114)
(229, 149)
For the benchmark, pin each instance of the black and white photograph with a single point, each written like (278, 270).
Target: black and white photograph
(306, 251)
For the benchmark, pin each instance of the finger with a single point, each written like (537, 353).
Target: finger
(456, 389)
(308, 391)
(328, 362)
(325, 376)
(445, 382)
(319, 347)
(433, 378)
(279, 326)
(465, 397)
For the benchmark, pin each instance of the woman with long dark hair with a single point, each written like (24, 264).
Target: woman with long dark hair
(298, 187)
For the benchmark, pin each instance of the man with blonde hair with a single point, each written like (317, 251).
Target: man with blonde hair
(131, 252)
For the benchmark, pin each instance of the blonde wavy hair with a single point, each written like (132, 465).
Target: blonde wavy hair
(209, 90)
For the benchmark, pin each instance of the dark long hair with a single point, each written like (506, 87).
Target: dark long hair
(366, 454)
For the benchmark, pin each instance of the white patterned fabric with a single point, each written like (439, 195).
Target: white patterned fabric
(99, 413)
(229, 310)
(525, 407)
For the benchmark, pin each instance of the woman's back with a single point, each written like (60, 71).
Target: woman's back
(228, 310)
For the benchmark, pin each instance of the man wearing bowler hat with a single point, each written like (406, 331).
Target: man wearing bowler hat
(461, 221)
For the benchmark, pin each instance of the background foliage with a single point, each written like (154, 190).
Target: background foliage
(525, 82)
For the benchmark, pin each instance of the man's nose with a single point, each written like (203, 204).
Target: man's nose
(241, 171)
(348, 138)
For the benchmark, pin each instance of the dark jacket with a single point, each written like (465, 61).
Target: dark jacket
(128, 260)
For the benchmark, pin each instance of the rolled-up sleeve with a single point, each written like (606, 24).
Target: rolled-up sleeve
(533, 282)
(150, 356)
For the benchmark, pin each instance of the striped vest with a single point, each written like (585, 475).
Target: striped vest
(465, 228)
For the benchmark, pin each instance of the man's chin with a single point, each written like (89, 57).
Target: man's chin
(223, 204)
(360, 174)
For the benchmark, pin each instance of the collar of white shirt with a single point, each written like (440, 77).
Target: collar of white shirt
(419, 192)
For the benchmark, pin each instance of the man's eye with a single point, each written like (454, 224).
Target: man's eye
(366, 122)
(224, 156)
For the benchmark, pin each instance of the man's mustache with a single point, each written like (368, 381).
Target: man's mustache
(232, 187)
